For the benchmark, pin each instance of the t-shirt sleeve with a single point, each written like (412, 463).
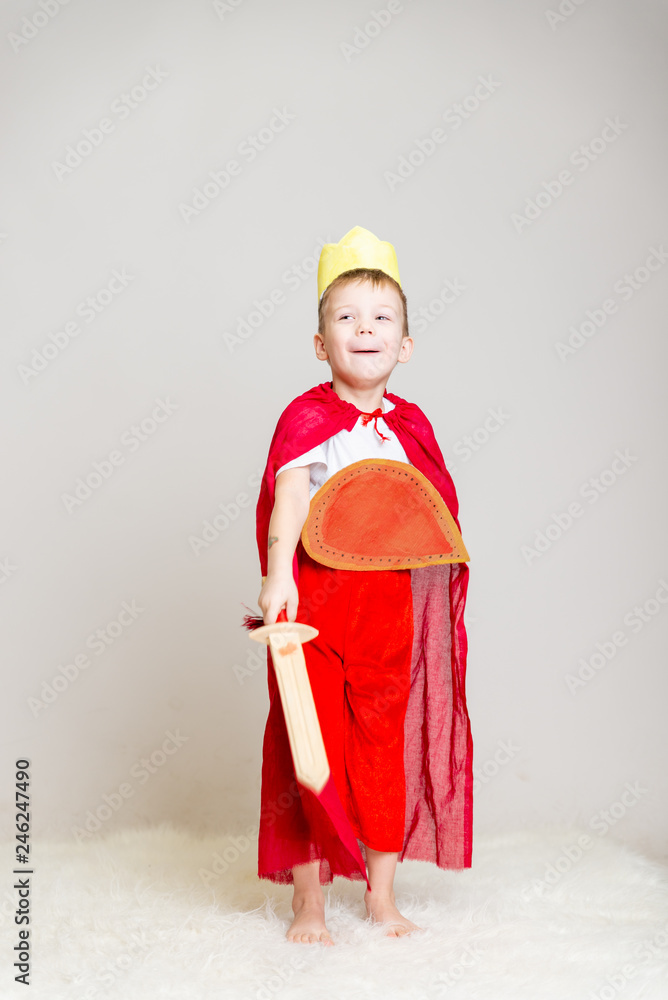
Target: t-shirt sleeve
(314, 456)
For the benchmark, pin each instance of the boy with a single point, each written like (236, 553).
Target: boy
(388, 666)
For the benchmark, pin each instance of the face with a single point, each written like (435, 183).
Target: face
(362, 338)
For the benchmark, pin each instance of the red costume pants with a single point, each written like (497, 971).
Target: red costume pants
(359, 667)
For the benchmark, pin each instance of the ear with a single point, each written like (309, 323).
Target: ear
(407, 344)
(320, 349)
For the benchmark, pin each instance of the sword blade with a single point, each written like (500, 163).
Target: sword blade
(306, 743)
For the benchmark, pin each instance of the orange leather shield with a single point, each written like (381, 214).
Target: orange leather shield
(381, 514)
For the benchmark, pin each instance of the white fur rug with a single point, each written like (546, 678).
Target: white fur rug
(158, 913)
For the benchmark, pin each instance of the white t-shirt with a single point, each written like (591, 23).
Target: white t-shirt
(346, 447)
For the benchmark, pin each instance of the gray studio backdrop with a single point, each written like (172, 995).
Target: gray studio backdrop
(170, 172)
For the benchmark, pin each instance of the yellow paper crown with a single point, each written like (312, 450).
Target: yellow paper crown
(358, 248)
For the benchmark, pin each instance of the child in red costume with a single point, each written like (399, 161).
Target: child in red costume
(388, 667)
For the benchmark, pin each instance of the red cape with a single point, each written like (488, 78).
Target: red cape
(437, 734)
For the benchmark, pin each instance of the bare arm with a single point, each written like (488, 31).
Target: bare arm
(291, 505)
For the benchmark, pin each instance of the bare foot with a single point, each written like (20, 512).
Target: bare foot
(309, 927)
(381, 909)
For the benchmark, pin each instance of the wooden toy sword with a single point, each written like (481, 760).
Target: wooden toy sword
(285, 640)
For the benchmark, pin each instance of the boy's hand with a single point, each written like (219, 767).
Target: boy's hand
(278, 591)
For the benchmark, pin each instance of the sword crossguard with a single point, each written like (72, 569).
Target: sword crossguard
(305, 632)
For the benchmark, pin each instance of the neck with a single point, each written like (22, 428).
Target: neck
(366, 400)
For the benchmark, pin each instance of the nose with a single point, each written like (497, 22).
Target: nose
(364, 326)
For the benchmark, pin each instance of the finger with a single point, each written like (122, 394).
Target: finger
(274, 609)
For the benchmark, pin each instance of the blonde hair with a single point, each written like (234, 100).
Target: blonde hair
(377, 278)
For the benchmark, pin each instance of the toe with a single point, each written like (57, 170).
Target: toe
(397, 930)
